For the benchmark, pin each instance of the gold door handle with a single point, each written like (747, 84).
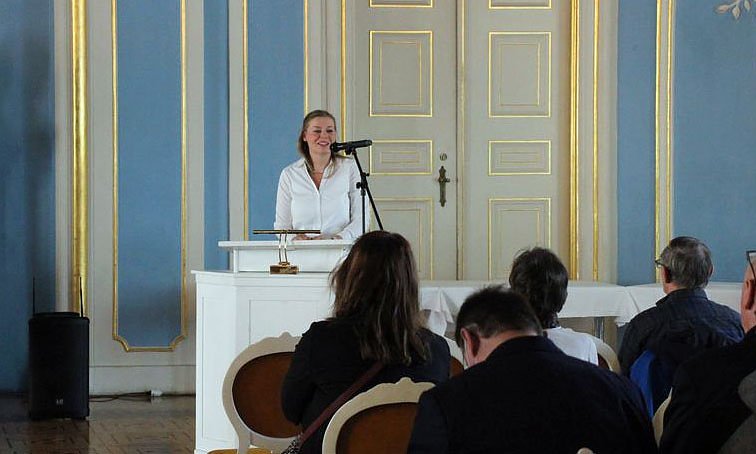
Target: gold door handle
(442, 180)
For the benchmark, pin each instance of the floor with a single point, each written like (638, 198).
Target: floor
(129, 424)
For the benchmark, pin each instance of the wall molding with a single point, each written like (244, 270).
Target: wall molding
(663, 124)
(63, 150)
(139, 369)
(237, 121)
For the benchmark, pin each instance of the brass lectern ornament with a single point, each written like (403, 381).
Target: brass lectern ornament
(283, 266)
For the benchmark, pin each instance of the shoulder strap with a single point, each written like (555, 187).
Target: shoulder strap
(336, 404)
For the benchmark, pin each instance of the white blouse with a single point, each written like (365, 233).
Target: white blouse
(334, 209)
(576, 344)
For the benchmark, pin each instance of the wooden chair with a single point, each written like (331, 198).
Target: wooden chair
(457, 362)
(607, 358)
(377, 421)
(252, 397)
(658, 420)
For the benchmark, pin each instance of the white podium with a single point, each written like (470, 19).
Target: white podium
(239, 307)
(311, 256)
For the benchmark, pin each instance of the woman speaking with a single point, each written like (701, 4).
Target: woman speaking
(319, 191)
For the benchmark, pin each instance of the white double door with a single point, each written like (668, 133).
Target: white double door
(476, 89)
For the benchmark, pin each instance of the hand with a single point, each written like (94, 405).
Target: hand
(302, 236)
(326, 237)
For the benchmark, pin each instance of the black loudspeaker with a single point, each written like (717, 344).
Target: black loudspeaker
(58, 366)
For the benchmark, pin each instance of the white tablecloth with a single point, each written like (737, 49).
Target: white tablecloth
(442, 299)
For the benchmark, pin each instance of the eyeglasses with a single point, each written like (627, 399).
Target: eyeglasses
(751, 257)
(658, 263)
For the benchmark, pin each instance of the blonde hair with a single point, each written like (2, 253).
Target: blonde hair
(302, 147)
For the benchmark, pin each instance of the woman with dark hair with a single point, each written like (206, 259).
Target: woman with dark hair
(539, 276)
(376, 318)
(319, 191)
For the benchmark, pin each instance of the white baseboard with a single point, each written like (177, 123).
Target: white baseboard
(130, 379)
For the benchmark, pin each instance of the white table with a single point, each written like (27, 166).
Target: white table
(584, 299)
(442, 300)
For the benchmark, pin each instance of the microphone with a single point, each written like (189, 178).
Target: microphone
(350, 146)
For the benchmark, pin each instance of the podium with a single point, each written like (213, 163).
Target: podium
(311, 256)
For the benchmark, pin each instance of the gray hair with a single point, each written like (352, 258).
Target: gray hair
(688, 261)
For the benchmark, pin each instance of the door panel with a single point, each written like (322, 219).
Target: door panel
(401, 73)
(516, 133)
(512, 116)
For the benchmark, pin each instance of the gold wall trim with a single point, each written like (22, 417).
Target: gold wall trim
(670, 94)
(574, 124)
(663, 117)
(595, 177)
(374, 5)
(522, 141)
(538, 70)
(461, 30)
(245, 121)
(491, 201)
(79, 295)
(491, 6)
(373, 33)
(114, 67)
(428, 201)
(371, 157)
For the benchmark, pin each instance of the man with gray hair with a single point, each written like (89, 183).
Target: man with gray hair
(685, 321)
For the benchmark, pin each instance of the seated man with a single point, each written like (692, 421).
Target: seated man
(706, 408)
(685, 321)
(539, 276)
(522, 394)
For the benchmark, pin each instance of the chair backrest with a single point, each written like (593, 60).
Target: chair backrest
(457, 362)
(252, 394)
(376, 421)
(607, 358)
(654, 378)
(658, 419)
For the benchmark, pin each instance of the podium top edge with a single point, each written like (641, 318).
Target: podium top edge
(267, 244)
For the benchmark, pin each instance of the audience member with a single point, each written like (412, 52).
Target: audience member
(522, 394)
(376, 318)
(706, 407)
(541, 278)
(685, 321)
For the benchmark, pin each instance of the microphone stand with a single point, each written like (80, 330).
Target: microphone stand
(364, 188)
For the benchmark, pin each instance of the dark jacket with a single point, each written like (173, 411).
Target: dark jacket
(705, 408)
(682, 324)
(530, 397)
(327, 361)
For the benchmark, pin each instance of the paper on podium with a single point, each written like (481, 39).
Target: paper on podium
(311, 256)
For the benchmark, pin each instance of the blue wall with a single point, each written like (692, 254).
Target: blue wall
(216, 132)
(276, 100)
(27, 178)
(149, 172)
(635, 141)
(715, 133)
(714, 137)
